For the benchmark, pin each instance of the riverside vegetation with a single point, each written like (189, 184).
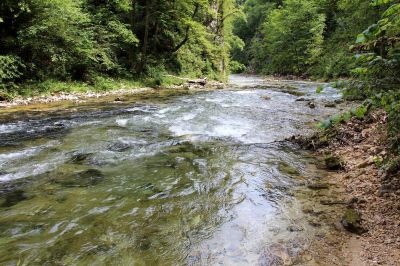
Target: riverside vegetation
(330, 39)
(80, 45)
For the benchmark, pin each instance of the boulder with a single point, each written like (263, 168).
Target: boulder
(351, 221)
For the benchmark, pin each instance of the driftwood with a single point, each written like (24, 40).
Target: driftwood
(201, 82)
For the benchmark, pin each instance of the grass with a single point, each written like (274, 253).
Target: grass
(99, 84)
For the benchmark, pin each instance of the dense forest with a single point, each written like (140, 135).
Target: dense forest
(96, 41)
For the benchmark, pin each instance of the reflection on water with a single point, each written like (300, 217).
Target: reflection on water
(193, 180)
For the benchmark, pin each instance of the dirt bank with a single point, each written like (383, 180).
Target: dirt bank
(357, 148)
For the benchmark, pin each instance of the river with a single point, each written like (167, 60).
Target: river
(201, 178)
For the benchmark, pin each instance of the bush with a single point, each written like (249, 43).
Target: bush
(10, 72)
(236, 67)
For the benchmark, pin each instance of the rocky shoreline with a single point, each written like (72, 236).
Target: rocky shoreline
(80, 97)
(368, 221)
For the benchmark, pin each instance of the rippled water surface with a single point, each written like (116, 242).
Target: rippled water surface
(199, 178)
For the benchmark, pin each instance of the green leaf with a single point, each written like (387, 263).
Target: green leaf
(319, 89)
(394, 9)
(381, 2)
(361, 38)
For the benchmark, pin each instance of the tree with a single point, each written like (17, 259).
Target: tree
(293, 37)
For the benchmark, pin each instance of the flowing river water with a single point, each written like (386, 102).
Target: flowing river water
(184, 178)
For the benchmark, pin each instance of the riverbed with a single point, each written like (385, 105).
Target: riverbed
(184, 178)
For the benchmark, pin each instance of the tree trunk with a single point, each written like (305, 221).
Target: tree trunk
(145, 38)
(132, 25)
(186, 38)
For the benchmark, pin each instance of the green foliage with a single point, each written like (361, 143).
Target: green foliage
(249, 29)
(376, 76)
(10, 70)
(293, 37)
(99, 41)
(296, 36)
(236, 67)
(358, 112)
(319, 89)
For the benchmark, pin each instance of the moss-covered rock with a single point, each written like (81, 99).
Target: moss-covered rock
(287, 169)
(333, 162)
(351, 221)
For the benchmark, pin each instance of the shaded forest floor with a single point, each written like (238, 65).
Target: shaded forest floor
(368, 192)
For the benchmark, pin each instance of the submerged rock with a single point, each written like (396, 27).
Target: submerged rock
(287, 169)
(294, 92)
(119, 99)
(85, 178)
(351, 221)
(266, 97)
(318, 186)
(118, 147)
(302, 99)
(79, 157)
(14, 197)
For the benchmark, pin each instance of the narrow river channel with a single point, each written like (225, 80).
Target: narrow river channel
(201, 178)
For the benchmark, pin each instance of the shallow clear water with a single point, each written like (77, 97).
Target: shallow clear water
(198, 178)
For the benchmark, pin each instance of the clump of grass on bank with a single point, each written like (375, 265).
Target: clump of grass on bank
(346, 129)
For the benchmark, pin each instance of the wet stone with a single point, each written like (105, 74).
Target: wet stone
(318, 186)
(79, 157)
(351, 221)
(14, 197)
(86, 178)
(3, 173)
(150, 189)
(339, 101)
(119, 99)
(311, 105)
(144, 243)
(287, 169)
(118, 147)
(330, 105)
(332, 202)
(303, 99)
(266, 97)
(54, 128)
